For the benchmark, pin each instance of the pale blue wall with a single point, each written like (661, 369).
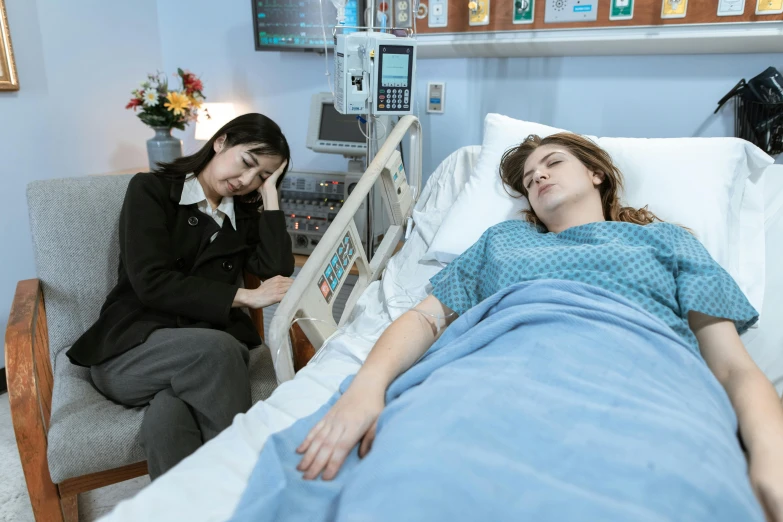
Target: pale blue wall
(77, 64)
(215, 40)
(652, 96)
(635, 96)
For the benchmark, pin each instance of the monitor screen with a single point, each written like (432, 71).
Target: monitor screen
(394, 72)
(339, 127)
(296, 24)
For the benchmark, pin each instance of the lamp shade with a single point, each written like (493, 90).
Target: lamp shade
(212, 117)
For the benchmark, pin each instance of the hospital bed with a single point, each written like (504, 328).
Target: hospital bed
(208, 484)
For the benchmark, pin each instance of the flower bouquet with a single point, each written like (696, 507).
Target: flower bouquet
(163, 109)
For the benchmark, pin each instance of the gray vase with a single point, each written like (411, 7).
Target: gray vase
(163, 147)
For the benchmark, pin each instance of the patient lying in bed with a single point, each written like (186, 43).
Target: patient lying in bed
(573, 385)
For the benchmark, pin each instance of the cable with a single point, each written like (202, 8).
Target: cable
(326, 48)
(407, 303)
(340, 330)
(402, 153)
(378, 120)
(414, 15)
(396, 306)
(375, 119)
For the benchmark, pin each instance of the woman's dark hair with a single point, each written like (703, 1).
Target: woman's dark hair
(251, 128)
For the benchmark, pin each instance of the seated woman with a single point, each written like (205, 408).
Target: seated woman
(171, 333)
(582, 380)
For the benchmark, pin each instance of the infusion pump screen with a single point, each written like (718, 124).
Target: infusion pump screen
(394, 71)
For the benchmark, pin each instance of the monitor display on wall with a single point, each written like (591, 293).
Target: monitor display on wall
(297, 24)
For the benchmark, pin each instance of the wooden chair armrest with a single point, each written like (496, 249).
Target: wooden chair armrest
(252, 281)
(28, 367)
(29, 374)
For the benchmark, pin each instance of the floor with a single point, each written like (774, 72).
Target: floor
(14, 502)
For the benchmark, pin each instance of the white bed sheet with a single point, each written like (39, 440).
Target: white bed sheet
(207, 485)
(765, 343)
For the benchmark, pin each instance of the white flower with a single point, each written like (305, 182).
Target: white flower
(150, 98)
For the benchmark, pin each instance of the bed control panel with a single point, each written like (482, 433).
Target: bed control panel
(338, 267)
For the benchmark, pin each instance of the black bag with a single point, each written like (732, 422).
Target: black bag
(759, 110)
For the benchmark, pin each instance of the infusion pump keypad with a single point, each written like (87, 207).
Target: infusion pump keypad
(339, 265)
(394, 98)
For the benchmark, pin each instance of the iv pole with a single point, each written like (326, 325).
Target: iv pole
(371, 146)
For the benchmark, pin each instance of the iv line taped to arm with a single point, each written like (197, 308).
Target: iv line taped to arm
(396, 306)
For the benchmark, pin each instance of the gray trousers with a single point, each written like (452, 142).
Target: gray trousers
(195, 381)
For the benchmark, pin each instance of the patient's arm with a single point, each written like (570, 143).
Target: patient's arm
(755, 401)
(353, 416)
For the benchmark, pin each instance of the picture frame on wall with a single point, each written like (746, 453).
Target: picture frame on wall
(8, 78)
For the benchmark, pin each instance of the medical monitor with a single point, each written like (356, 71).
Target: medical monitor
(332, 132)
(299, 25)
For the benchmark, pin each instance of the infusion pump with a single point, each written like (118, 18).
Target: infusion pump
(374, 74)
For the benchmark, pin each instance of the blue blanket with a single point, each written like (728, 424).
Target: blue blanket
(549, 401)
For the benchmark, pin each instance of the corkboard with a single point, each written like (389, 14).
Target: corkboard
(646, 13)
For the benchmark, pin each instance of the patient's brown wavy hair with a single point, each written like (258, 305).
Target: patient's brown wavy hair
(596, 159)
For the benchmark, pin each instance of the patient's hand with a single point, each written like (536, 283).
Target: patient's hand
(352, 418)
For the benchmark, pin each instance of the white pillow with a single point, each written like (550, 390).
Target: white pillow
(484, 201)
(696, 182)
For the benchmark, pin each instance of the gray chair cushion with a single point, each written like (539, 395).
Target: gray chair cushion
(90, 433)
(74, 224)
(75, 231)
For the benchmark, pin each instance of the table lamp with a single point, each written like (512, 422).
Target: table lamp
(212, 117)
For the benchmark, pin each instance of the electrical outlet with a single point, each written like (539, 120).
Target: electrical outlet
(436, 97)
(402, 13)
(523, 11)
(478, 12)
(769, 7)
(557, 11)
(439, 13)
(674, 8)
(621, 10)
(731, 7)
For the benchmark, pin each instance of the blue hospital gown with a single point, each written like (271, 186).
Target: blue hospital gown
(595, 410)
(661, 267)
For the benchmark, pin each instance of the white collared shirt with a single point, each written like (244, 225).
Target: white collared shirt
(193, 193)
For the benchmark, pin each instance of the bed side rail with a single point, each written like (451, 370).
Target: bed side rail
(312, 296)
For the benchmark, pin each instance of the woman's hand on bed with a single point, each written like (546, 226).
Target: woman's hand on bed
(766, 476)
(353, 418)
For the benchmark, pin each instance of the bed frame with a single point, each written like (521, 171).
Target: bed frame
(313, 293)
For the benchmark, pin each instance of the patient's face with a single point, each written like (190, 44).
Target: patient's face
(235, 171)
(554, 179)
